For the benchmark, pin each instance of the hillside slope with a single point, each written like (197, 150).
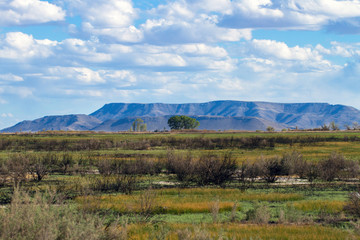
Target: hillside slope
(216, 115)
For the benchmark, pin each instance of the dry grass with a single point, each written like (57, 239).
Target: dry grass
(236, 231)
(178, 201)
(39, 218)
(326, 206)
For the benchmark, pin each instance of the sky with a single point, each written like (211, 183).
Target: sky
(73, 56)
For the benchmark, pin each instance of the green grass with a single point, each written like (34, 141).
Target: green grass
(191, 211)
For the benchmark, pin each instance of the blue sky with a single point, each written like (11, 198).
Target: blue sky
(74, 56)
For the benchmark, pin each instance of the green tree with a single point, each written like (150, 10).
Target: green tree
(138, 125)
(182, 122)
(334, 126)
(270, 129)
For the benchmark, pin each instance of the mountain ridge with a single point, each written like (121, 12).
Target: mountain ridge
(214, 115)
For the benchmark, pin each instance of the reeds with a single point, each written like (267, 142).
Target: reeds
(243, 231)
(326, 206)
(179, 201)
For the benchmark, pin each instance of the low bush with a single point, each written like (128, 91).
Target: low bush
(213, 169)
(272, 168)
(117, 183)
(352, 206)
(37, 218)
(259, 215)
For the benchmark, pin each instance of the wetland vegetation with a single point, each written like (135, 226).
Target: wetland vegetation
(180, 185)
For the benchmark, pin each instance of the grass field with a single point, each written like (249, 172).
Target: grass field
(164, 185)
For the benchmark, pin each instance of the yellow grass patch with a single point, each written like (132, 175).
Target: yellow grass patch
(237, 231)
(320, 206)
(178, 201)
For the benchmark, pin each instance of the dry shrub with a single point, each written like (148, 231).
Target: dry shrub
(247, 173)
(108, 167)
(312, 171)
(292, 215)
(352, 207)
(259, 215)
(40, 166)
(208, 169)
(213, 169)
(294, 163)
(233, 214)
(331, 167)
(144, 165)
(37, 218)
(17, 167)
(66, 162)
(117, 183)
(182, 165)
(272, 168)
(148, 204)
(214, 209)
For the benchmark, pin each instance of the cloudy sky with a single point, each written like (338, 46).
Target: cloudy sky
(73, 56)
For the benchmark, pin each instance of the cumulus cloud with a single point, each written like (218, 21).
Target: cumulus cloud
(20, 46)
(266, 54)
(176, 22)
(80, 74)
(26, 12)
(111, 20)
(282, 51)
(293, 14)
(188, 22)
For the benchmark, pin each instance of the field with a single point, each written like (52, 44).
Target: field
(180, 185)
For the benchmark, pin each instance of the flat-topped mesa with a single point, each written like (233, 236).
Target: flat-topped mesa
(215, 115)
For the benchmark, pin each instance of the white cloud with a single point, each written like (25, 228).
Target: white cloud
(121, 34)
(82, 75)
(257, 8)
(26, 12)
(20, 46)
(162, 59)
(83, 93)
(111, 20)
(270, 55)
(282, 51)
(331, 8)
(10, 78)
(182, 22)
(106, 14)
(292, 14)
(7, 115)
(85, 50)
(220, 6)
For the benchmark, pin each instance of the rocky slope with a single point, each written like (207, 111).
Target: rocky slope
(216, 115)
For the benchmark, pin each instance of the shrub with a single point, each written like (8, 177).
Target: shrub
(312, 171)
(17, 167)
(353, 205)
(66, 162)
(36, 218)
(292, 215)
(118, 183)
(259, 215)
(271, 168)
(331, 167)
(212, 169)
(108, 167)
(182, 165)
(294, 164)
(40, 166)
(143, 165)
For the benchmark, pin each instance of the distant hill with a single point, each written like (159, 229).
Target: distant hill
(79, 122)
(216, 115)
